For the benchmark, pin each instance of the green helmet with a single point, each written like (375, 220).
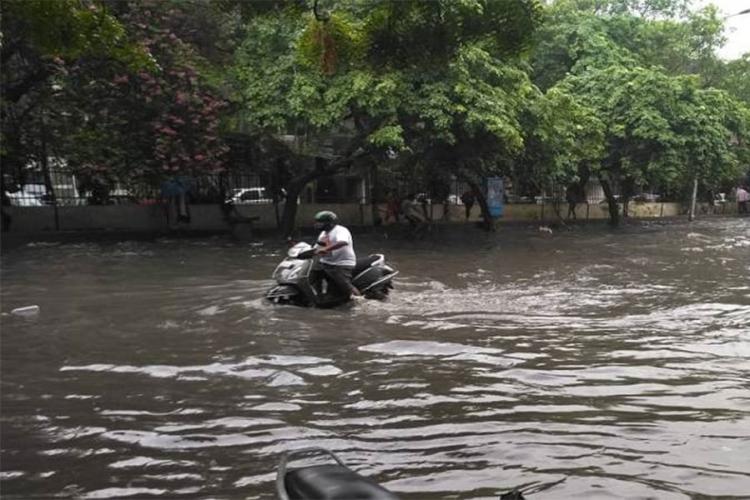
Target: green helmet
(326, 217)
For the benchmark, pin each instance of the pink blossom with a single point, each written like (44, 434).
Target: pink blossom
(199, 157)
(168, 131)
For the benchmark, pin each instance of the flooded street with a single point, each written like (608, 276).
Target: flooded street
(583, 364)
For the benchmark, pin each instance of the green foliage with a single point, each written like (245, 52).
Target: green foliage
(427, 33)
(564, 135)
(331, 45)
(113, 90)
(388, 136)
(474, 91)
(660, 130)
(433, 79)
(489, 95)
(645, 122)
(734, 77)
(657, 33)
(624, 89)
(70, 29)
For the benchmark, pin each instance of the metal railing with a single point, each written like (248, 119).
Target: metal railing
(62, 188)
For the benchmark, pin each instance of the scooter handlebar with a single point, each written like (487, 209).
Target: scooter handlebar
(307, 254)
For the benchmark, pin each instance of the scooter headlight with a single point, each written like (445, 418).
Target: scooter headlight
(292, 274)
(286, 271)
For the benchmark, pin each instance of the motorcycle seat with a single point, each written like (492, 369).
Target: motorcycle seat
(332, 482)
(364, 263)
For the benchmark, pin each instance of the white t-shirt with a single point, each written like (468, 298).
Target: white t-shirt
(343, 256)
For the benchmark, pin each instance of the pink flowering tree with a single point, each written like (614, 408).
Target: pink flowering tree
(136, 125)
(167, 112)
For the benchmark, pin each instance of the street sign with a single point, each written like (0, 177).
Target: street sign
(495, 194)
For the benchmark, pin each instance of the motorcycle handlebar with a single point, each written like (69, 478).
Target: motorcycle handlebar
(307, 254)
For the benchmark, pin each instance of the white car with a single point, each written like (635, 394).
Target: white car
(250, 196)
(30, 195)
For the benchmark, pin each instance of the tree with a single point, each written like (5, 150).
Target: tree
(406, 76)
(663, 33)
(620, 60)
(143, 126)
(660, 130)
(735, 78)
(564, 143)
(123, 94)
(39, 38)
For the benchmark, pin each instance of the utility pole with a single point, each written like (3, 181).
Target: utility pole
(691, 217)
(48, 184)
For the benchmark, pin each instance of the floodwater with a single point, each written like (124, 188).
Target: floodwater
(583, 364)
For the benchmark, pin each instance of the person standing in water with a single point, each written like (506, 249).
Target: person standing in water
(468, 199)
(742, 199)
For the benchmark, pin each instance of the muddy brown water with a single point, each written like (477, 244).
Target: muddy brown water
(583, 364)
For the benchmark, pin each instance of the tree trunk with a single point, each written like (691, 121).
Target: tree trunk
(293, 190)
(297, 184)
(487, 223)
(628, 188)
(614, 211)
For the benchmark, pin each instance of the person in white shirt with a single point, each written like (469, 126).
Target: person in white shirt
(337, 257)
(742, 198)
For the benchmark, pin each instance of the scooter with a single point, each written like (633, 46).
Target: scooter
(325, 482)
(371, 276)
(333, 481)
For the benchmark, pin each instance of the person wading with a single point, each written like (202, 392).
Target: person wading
(468, 199)
(337, 258)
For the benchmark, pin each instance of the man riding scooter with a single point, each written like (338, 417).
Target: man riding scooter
(337, 258)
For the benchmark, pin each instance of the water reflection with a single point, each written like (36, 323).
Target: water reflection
(606, 365)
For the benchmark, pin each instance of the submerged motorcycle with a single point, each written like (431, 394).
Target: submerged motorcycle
(371, 276)
(333, 481)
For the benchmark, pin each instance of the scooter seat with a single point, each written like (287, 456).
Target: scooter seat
(332, 482)
(364, 263)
